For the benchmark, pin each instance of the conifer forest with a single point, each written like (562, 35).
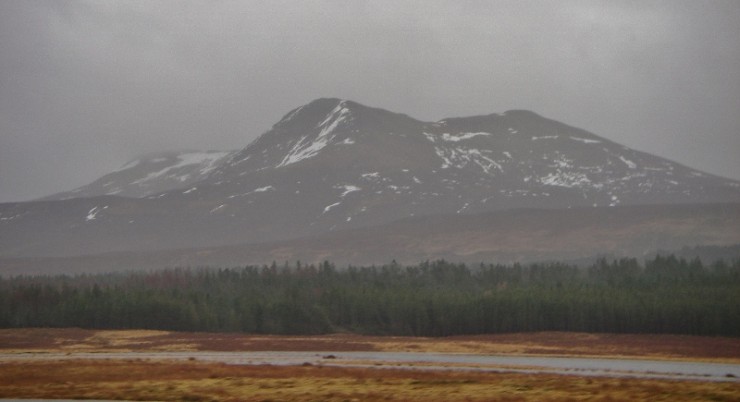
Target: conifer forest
(661, 295)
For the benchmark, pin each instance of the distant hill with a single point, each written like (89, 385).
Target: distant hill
(150, 174)
(574, 235)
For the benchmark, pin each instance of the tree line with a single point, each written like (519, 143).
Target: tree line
(662, 295)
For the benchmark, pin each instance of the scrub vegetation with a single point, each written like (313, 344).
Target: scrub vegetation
(196, 381)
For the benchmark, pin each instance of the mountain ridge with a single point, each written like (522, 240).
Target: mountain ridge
(334, 164)
(150, 173)
(479, 122)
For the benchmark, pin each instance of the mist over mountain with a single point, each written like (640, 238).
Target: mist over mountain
(576, 235)
(150, 174)
(333, 165)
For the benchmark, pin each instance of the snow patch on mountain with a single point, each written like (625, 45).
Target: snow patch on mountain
(565, 179)
(9, 218)
(93, 213)
(329, 207)
(561, 161)
(460, 157)
(483, 161)
(460, 137)
(206, 160)
(256, 190)
(305, 148)
(585, 140)
(441, 153)
(462, 208)
(218, 208)
(430, 137)
(629, 163)
(348, 188)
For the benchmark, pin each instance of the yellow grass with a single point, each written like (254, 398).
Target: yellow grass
(673, 347)
(117, 339)
(192, 381)
(446, 346)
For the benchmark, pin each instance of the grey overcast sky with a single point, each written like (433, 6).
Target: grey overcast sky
(86, 86)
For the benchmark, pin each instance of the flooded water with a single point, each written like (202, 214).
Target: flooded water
(637, 368)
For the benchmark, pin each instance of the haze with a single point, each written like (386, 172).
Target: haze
(87, 86)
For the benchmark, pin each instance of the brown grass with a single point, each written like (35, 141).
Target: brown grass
(578, 344)
(541, 343)
(194, 381)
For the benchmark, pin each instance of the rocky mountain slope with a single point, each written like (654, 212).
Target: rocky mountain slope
(332, 165)
(366, 164)
(151, 174)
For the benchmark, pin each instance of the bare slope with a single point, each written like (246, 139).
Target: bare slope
(504, 237)
(151, 174)
(333, 164)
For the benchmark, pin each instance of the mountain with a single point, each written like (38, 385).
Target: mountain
(370, 165)
(333, 165)
(577, 235)
(151, 174)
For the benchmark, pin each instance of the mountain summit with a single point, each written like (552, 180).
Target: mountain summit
(404, 167)
(335, 164)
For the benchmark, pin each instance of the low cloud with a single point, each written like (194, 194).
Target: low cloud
(86, 86)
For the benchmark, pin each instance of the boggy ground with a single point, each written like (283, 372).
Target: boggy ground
(195, 381)
(539, 343)
(135, 379)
